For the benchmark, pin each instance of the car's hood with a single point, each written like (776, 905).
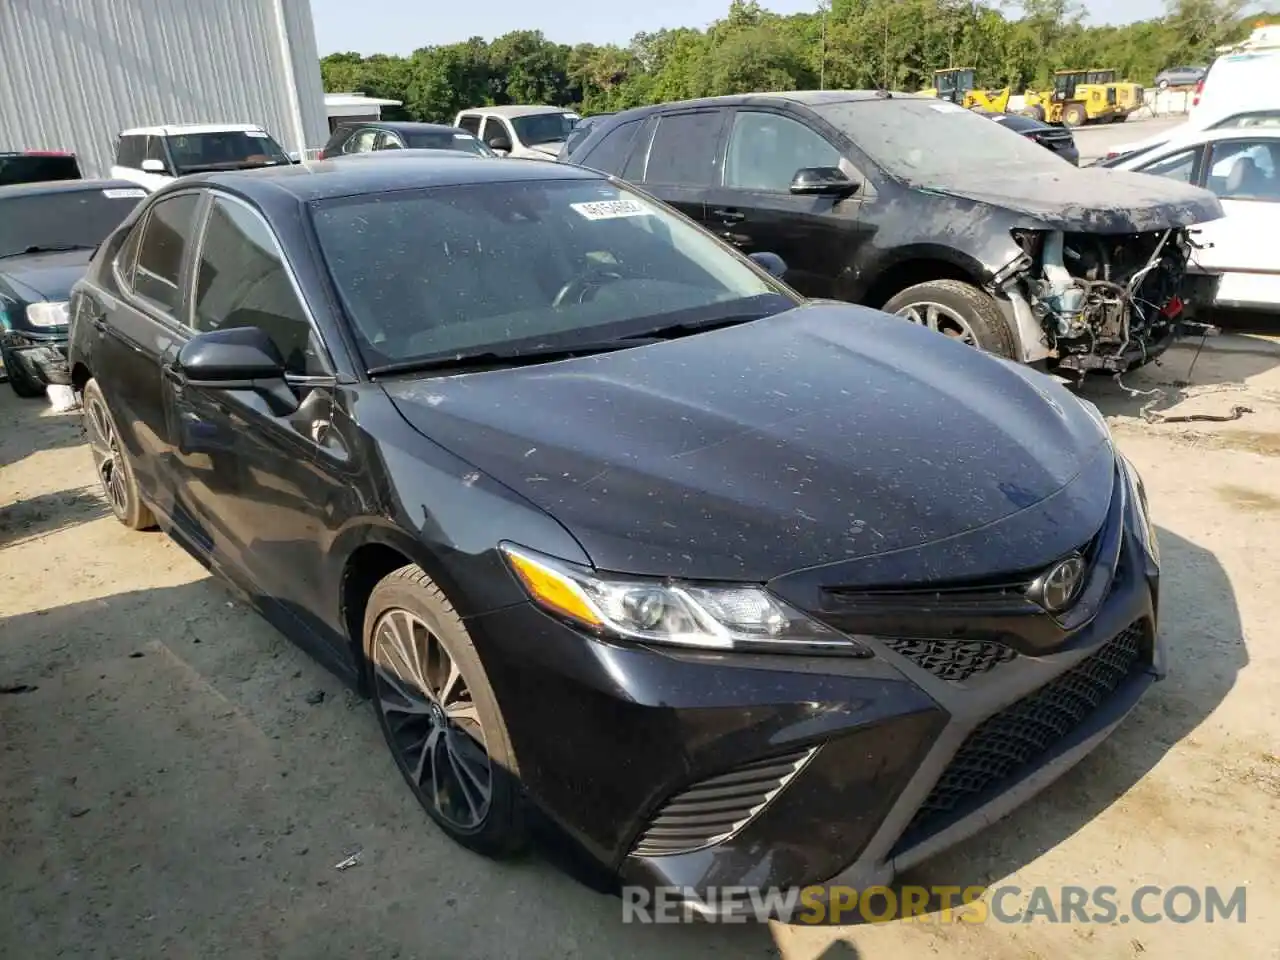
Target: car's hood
(1088, 199)
(45, 276)
(826, 433)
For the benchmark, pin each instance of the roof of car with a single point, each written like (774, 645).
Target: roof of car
(809, 98)
(326, 179)
(517, 110)
(181, 129)
(405, 126)
(40, 187)
(408, 153)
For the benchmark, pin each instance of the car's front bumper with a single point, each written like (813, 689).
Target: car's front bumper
(696, 772)
(42, 355)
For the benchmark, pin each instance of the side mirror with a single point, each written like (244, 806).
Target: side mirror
(822, 182)
(238, 358)
(771, 263)
(499, 144)
(153, 166)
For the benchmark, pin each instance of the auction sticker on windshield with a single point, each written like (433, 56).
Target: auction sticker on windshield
(609, 209)
(123, 193)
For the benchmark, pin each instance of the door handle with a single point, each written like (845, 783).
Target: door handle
(729, 215)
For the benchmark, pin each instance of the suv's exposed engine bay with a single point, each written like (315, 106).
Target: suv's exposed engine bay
(1105, 302)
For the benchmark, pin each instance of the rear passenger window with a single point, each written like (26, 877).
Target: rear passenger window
(362, 142)
(611, 153)
(130, 152)
(242, 282)
(683, 150)
(164, 243)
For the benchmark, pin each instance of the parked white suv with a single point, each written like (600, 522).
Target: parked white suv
(152, 156)
(536, 132)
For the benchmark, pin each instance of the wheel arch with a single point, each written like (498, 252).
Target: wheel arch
(918, 265)
(369, 552)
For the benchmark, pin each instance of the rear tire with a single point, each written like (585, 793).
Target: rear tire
(111, 462)
(959, 310)
(24, 384)
(1074, 115)
(439, 715)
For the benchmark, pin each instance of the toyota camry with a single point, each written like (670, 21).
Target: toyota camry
(610, 524)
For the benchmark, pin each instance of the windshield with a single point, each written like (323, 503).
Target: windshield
(70, 218)
(542, 128)
(923, 140)
(445, 140)
(504, 266)
(224, 149)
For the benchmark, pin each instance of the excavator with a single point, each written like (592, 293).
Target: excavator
(957, 85)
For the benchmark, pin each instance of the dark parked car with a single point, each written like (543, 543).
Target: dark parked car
(48, 232)
(607, 520)
(33, 166)
(1180, 77)
(921, 208)
(1058, 140)
(369, 137)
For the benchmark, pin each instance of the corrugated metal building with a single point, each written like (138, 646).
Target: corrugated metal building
(74, 73)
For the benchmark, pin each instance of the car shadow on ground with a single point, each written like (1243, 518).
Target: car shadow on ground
(1197, 367)
(24, 430)
(48, 512)
(1201, 628)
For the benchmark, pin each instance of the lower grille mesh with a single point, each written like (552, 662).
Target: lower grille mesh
(1015, 737)
(954, 660)
(714, 809)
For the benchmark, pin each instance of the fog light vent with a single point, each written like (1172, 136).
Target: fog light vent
(713, 810)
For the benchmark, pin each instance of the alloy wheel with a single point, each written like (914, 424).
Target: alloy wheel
(431, 719)
(107, 456)
(941, 319)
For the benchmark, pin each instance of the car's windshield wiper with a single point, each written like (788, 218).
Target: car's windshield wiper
(48, 248)
(511, 358)
(695, 326)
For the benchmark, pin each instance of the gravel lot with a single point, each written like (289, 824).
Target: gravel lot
(173, 788)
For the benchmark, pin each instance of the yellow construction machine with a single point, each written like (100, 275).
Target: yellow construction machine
(1084, 96)
(956, 84)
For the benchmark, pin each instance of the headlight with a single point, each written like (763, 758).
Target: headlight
(52, 314)
(1138, 494)
(733, 617)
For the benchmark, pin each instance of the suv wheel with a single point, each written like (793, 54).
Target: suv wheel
(439, 715)
(112, 463)
(958, 310)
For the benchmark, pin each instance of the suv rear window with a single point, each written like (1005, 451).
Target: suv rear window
(224, 150)
(34, 168)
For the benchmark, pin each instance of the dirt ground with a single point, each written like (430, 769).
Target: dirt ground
(174, 785)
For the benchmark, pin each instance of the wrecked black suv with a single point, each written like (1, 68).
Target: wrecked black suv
(925, 210)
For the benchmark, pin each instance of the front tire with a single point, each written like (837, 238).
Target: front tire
(1074, 115)
(1035, 113)
(111, 462)
(958, 310)
(24, 384)
(439, 715)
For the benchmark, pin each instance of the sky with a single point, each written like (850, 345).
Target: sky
(402, 26)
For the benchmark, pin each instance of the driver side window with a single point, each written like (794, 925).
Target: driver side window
(494, 127)
(766, 150)
(362, 142)
(242, 281)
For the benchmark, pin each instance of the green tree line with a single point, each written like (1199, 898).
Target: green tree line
(843, 44)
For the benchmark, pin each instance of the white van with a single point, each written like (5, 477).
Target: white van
(535, 132)
(152, 156)
(1241, 89)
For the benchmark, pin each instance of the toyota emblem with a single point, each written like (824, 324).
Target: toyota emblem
(1057, 587)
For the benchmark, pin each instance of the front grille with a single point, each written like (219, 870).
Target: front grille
(1012, 740)
(953, 660)
(714, 809)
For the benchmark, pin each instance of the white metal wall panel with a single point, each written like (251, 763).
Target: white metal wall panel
(74, 73)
